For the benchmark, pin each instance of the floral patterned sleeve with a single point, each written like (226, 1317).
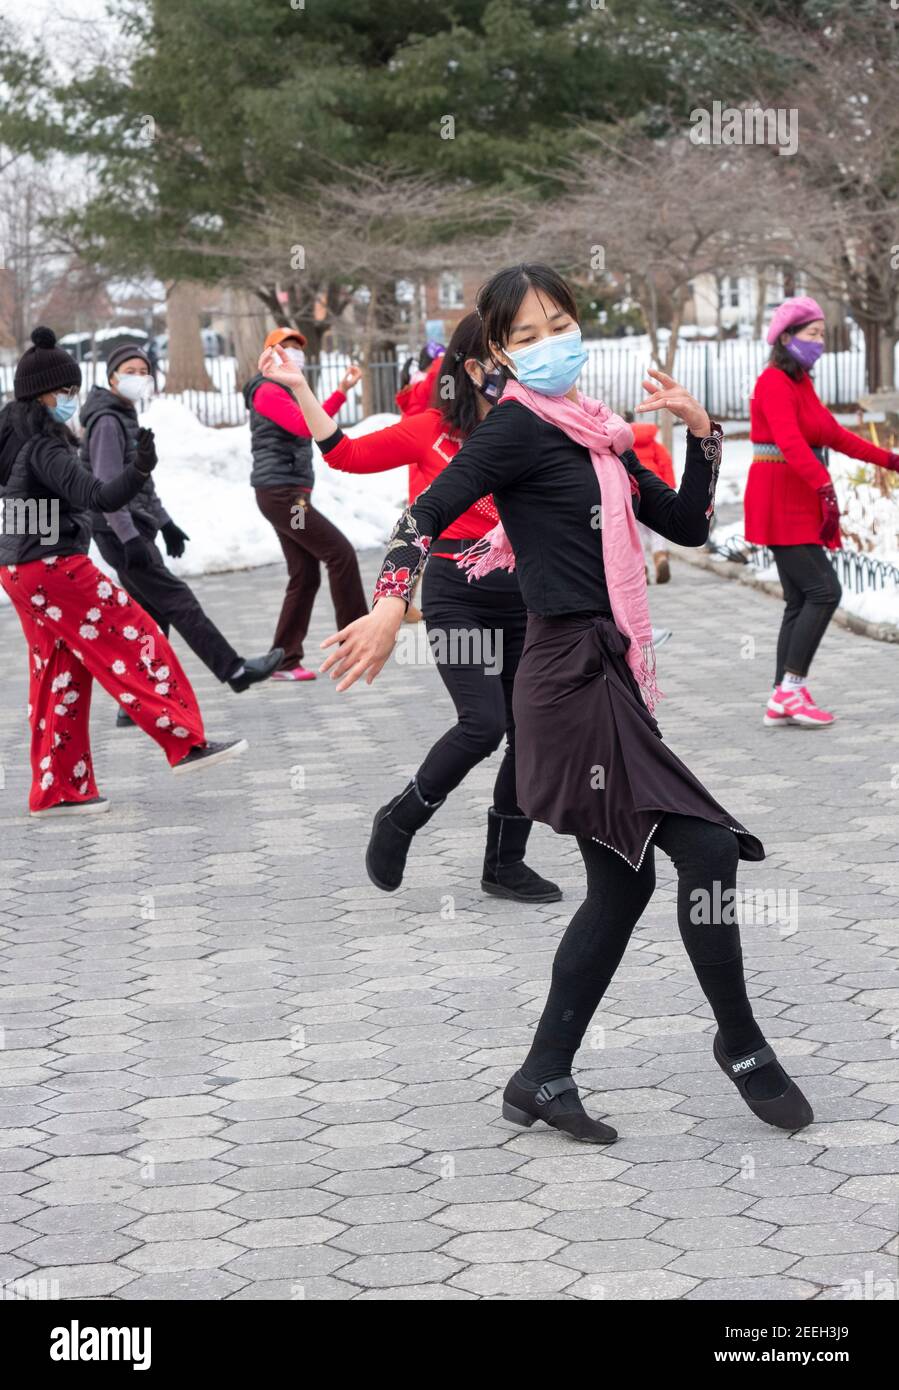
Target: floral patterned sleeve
(407, 551)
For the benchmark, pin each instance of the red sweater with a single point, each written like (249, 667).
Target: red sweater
(781, 505)
(426, 444)
(652, 454)
(416, 397)
(275, 404)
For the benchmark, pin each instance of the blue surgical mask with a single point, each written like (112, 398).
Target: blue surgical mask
(552, 366)
(64, 408)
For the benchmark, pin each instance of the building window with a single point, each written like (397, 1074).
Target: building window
(450, 293)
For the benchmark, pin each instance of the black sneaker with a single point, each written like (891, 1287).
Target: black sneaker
(94, 806)
(255, 669)
(211, 753)
(123, 719)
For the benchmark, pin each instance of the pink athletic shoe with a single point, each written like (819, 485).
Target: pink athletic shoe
(296, 673)
(795, 707)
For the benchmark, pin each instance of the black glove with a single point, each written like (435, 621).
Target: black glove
(174, 539)
(146, 450)
(137, 554)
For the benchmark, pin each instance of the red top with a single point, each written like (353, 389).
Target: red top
(781, 505)
(272, 401)
(416, 397)
(652, 454)
(426, 443)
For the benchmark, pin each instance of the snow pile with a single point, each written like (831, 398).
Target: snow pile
(203, 479)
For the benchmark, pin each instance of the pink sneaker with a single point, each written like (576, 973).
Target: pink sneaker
(795, 707)
(296, 673)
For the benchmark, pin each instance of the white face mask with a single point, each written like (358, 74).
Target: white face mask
(134, 388)
(296, 355)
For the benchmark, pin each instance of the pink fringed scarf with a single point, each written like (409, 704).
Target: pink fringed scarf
(606, 435)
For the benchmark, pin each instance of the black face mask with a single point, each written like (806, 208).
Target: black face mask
(491, 388)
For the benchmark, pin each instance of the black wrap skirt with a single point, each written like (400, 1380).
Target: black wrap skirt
(590, 760)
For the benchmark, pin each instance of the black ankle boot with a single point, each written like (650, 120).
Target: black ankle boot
(391, 835)
(557, 1104)
(505, 873)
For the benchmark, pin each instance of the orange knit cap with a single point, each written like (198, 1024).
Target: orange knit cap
(283, 335)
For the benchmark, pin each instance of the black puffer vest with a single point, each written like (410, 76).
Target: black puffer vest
(280, 459)
(145, 508)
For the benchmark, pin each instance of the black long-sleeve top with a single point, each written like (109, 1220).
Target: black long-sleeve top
(49, 494)
(548, 498)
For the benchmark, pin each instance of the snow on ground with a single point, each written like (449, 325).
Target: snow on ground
(203, 478)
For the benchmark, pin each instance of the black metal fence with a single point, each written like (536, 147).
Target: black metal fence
(854, 569)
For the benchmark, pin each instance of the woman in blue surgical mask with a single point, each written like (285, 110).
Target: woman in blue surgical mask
(590, 758)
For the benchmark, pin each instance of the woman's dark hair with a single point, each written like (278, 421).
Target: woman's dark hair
(785, 360)
(500, 299)
(454, 393)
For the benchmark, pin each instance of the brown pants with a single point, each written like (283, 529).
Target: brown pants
(306, 546)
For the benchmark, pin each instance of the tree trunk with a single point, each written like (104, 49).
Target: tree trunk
(249, 326)
(187, 368)
(366, 357)
(667, 419)
(871, 333)
(761, 293)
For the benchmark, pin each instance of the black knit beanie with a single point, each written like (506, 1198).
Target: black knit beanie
(44, 367)
(124, 354)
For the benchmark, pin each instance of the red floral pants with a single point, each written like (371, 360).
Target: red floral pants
(79, 625)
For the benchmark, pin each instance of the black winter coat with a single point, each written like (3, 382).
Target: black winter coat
(47, 494)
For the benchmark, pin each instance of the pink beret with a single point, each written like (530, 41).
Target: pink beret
(802, 309)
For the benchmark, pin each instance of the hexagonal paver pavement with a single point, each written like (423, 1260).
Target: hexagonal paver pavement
(232, 1069)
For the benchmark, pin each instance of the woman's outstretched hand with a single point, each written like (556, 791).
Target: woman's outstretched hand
(277, 366)
(666, 394)
(363, 647)
(350, 378)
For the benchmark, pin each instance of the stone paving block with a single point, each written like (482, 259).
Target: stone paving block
(390, 1238)
(641, 1284)
(764, 1288)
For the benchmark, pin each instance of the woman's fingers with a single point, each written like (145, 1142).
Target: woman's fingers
(663, 377)
(356, 672)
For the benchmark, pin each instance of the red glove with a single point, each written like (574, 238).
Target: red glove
(830, 516)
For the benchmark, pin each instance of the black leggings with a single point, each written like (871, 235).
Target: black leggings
(705, 857)
(812, 592)
(474, 629)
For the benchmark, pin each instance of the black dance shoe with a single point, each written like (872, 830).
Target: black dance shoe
(788, 1110)
(557, 1104)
